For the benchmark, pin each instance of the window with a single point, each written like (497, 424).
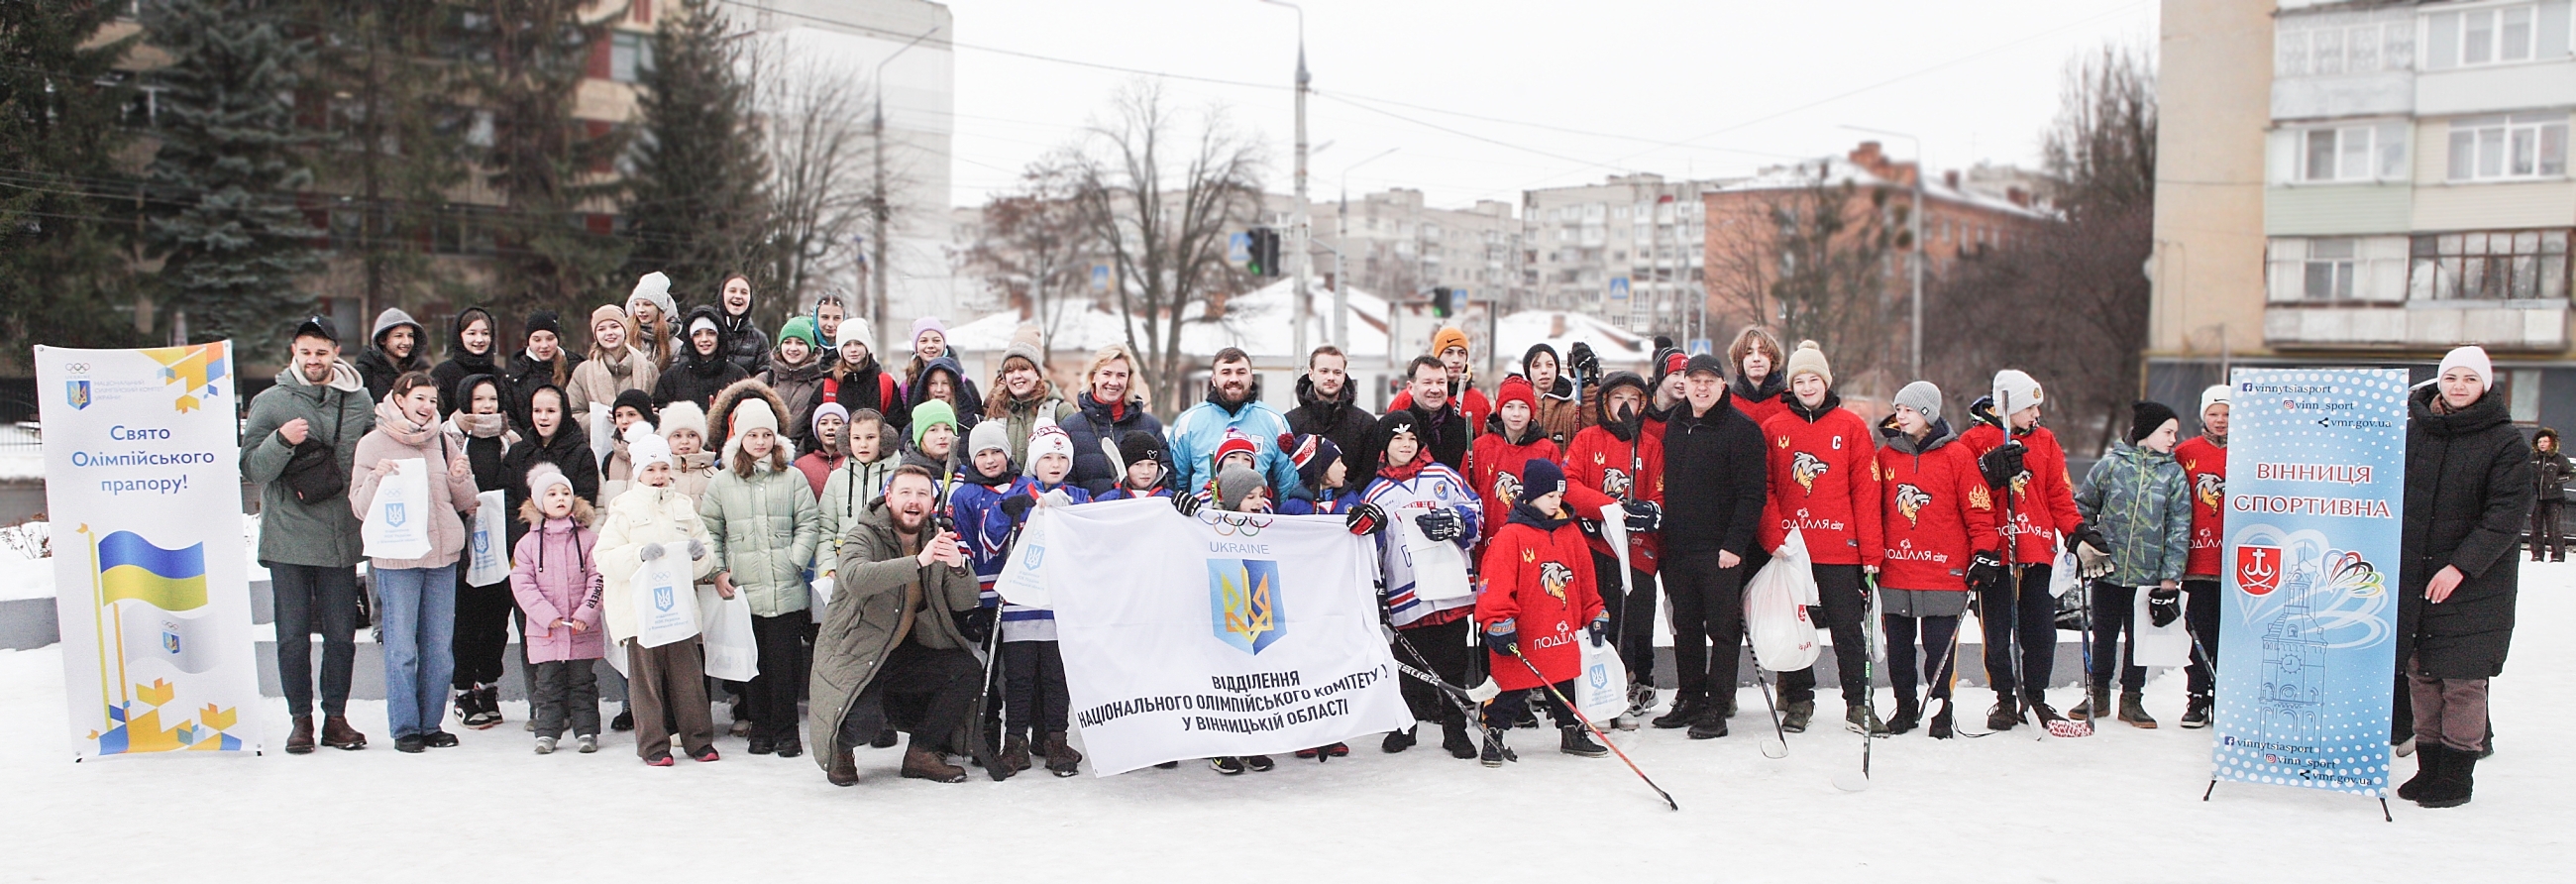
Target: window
(2522, 395)
(629, 56)
(2496, 265)
(2353, 153)
(2344, 49)
(2330, 268)
(2503, 148)
(2497, 35)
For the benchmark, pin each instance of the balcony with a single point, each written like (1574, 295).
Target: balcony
(2502, 326)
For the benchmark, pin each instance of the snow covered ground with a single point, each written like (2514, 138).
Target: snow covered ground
(2121, 806)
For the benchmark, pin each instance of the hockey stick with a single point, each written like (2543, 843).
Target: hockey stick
(1846, 780)
(1459, 697)
(1594, 728)
(1777, 746)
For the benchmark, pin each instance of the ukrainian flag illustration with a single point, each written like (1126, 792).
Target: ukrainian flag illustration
(130, 567)
(127, 566)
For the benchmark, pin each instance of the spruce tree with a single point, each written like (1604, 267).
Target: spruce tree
(698, 201)
(65, 198)
(238, 254)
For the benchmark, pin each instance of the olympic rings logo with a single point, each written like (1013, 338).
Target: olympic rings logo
(1234, 525)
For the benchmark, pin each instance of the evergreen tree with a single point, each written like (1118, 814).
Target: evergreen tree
(398, 142)
(64, 274)
(551, 167)
(237, 252)
(698, 205)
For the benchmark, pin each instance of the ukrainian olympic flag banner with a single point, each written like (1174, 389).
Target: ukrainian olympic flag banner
(143, 484)
(2316, 483)
(1223, 634)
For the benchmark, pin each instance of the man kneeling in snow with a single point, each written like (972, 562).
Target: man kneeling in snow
(891, 648)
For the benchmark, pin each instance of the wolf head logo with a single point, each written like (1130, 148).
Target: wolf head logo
(2209, 488)
(1805, 468)
(1555, 577)
(1507, 488)
(1910, 501)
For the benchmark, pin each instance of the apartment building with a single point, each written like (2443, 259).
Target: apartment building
(1390, 243)
(1630, 250)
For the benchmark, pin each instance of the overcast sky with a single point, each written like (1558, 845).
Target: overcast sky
(1738, 84)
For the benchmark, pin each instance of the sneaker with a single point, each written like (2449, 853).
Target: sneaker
(1259, 763)
(439, 739)
(1795, 716)
(1577, 741)
(2196, 714)
(659, 759)
(705, 756)
(589, 743)
(1684, 711)
(488, 698)
(1641, 700)
(545, 745)
(469, 707)
(1397, 741)
(1338, 750)
(1226, 764)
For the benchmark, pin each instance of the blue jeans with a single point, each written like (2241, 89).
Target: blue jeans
(419, 610)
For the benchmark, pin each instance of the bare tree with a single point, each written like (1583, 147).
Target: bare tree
(817, 112)
(1814, 258)
(1036, 248)
(1159, 196)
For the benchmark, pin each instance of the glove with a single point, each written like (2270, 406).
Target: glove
(1441, 525)
(1502, 638)
(1986, 571)
(2092, 559)
(975, 625)
(1055, 498)
(652, 552)
(1188, 504)
(1643, 515)
(2001, 465)
(2164, 606)
(1365, 519)
(1017, 506)
(1587, 367)
(1600, 629)
(697, 549)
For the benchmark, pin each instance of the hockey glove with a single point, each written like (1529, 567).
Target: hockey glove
(1365, 519)
(2001, 465)
(1643, 515)
(1188, 504)
(1502, 637)
(653, 551)
(1017, 506)
(2092, 557)
(1986, 571)
(1440, 525)
(1600, 629)
(975, 625)
(1587, 367)
(2164, 606)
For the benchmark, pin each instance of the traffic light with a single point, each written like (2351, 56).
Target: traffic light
(1265, 253)
(1440, 302)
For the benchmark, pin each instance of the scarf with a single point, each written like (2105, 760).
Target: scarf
(480, 426)
(344, 378)
(1406, 472)
(391, 421)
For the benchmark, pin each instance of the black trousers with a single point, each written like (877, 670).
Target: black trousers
(1508, 705)
(2114, 606)
(1632, 617)
(567, 695)
(1708, 614)
(770, 697)
(930, 690)
(1033, 692)
(2027, 613)
(1843, 601)
(1939, 636)
(1446, 654)
(2200, 616)
(310, 599)
(2544, 530)
(482, 631)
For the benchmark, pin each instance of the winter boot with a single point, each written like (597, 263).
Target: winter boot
(1909, 713)
(1453, 737)
(761, 745)
(923, 764)
(844, 770)
(1015, 752)
(2453, 772)
(1577, 741)
(789, 746)
(2096, 703)
(2195, 715)
(410, 744)
(1941, 727)
(1862, 719)
(2133, 709)
(2428, 770)
(1710, 725)
(1492, 754)
(1397, 741)
(337, 734)
(2005, 715)
(1061, 759)
(301, 741)
(1685, 711)
(1795, 716)
(1529, 712)
(625, 721)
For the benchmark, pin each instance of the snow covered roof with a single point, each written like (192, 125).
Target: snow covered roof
(1617, 347)
(1840, 170)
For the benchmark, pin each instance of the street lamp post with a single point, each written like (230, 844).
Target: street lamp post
(1342, 236)
(1300, 236)
(1913, 214)
(880, 209)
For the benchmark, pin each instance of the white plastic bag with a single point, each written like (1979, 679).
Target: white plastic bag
(2064, 578)
(2167, 645)
(487, 553)
(1602, 690)
(1775, 609)
(397, 525)
(822, 592)
(666, 608)
(732, 653)
(603, 434)
(1439, 566)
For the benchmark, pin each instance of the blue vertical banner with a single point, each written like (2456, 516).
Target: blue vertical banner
(2316, 488)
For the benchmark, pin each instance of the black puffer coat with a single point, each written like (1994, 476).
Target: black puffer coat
(1094, 470)
(2468, 489)
(693, 378)
(462, 363)
(1340, 419)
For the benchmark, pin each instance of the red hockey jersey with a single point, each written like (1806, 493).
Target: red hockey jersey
(2043, 500)
(1937, 513)
(2204, 467)
(1494, 467)
(1824, 482)
(1540, 579)
(1601, 470)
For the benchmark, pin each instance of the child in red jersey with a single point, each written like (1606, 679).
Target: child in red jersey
(1939, 521)
(1512, 437)
(1824, 483)
(1537, 583)
(2204, 466)
(2040, 506)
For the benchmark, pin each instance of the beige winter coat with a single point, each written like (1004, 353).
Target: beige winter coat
(597, 380)
(449, 493)
(643, 515)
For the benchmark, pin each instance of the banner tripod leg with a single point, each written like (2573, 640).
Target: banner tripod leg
(2383, 810)
(2213, 787)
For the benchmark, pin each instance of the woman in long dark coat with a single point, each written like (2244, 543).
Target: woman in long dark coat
(2468, 487)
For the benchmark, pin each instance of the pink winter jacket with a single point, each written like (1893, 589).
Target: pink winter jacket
(555, 577)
